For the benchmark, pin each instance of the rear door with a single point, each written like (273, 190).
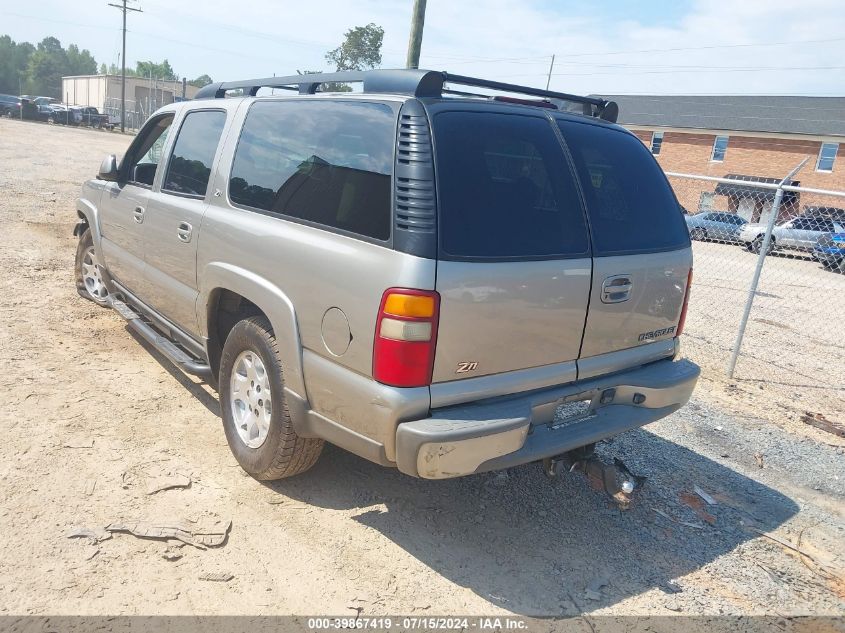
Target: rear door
(514, 263)
(641, 249)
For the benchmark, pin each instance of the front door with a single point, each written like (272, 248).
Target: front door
(174, 215)
(123, 206)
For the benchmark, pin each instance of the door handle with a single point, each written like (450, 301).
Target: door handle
(184, 231)
(138, 214)
(616, 289)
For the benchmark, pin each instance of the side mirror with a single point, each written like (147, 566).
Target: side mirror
(108, 169)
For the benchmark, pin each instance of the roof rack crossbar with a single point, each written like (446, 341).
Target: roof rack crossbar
(412, 81)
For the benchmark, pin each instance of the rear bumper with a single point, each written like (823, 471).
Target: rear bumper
(513, 430)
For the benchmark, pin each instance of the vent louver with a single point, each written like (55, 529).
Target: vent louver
(415, 202)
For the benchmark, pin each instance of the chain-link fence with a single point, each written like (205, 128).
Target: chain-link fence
(768, 298)
(135, 113)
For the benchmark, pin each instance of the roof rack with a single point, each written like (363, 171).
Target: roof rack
(414, 82)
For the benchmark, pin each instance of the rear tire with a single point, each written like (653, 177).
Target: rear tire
(91, 278)
(259, 430)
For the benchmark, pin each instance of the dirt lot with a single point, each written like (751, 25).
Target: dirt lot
(93, 418)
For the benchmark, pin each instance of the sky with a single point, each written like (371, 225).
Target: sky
(604, 47)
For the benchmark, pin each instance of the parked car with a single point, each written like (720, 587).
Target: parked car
(830, 251)
(65, 115)
(92, 118)
(41, 101)
(291, 251)
(833, 213)
(44, 112)
(10, 106)
(716, 226)
(17, 107)
(799, 234)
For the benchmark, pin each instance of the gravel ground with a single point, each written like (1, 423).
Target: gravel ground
(93, 417)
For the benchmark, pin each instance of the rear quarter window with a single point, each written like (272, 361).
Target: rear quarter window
(630, 204)
(321, 162)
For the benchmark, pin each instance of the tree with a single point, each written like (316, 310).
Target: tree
(79, 62)
(46, 68)
(361, 49)
(202, 80)
(104, 69)
(158, 71)
(14, 58)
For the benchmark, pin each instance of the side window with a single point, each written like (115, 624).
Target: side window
(631, 206)
(144, 157)
(326, 162)
(190, 163)
(802, 224)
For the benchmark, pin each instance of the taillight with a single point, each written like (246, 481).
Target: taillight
(406, 337)
(683, 318)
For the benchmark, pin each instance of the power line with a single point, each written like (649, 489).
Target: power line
(703, 48)
(671, 72)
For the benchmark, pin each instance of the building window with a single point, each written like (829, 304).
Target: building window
(720, 146)
(827, 154)
(656, 142)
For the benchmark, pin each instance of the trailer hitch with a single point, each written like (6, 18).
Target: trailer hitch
(614, 479)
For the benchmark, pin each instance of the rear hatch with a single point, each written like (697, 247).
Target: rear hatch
(536, 268)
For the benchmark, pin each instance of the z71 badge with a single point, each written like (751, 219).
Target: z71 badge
(465, 367)
(647, 336)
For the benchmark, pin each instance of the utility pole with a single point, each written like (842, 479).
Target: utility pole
(551, 68)
(123, 8)
(415, 43)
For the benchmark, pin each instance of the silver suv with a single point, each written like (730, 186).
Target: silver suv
(431, 278)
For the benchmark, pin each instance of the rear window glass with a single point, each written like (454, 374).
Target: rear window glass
(323, 162)
(505, 188)
(630, 205)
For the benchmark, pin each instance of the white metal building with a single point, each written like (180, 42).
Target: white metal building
(143, 96)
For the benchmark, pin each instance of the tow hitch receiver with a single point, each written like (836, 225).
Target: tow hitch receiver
(615, 479)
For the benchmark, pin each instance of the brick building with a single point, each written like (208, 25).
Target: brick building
(741, 137)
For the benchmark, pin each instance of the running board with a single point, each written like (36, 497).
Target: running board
(163, 344)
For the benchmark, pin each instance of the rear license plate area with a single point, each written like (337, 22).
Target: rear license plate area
(573, 412)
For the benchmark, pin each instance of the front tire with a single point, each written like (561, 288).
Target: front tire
(256, 418)
(698, 234)
(91, 278)
(757, 245)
